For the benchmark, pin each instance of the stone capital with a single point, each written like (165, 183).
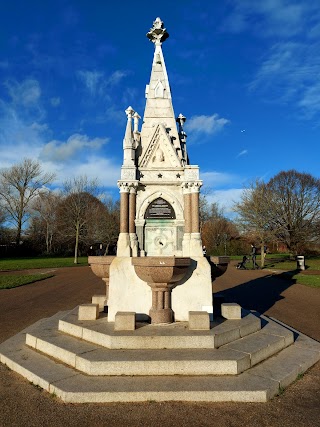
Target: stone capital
(124, 187)
(134, 187)
(186, 187)
(195, 186)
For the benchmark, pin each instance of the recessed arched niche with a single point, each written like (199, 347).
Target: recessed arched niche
(160, 229)
(160, 209)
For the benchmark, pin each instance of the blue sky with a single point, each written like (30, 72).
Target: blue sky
(245, 73)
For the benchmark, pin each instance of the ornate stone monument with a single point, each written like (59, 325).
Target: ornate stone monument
(88, 355)
(159, 201)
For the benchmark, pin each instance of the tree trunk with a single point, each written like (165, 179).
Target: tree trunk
(47, 237)
(76, 245)
(262, 255)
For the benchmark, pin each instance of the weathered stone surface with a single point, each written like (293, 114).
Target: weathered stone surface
(199, 320)
(101, 300)
(125, 321)
(140, 375)
(230, 310)
(88, 312)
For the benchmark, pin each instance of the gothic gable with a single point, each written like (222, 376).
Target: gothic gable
(160, 151)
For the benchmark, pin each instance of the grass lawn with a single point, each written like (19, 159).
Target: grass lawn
(312, 280)
(8, 282)
(283, 262)
(39, 262)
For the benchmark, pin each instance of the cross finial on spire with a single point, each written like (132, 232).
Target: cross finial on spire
(157, 34)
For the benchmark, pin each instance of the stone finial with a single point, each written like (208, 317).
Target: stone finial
(157, 34)
(181, 119)
(136, 118)
(129, 112)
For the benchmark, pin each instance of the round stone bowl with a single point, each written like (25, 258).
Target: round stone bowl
(219, 265)
(161, 274)
(159, 270)
(100, 265)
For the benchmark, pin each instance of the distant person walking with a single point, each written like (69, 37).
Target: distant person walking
(254, 256)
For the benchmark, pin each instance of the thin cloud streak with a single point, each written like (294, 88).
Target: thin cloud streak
(242, 153)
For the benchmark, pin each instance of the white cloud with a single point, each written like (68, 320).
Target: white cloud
(205, 125)
(269, 18)
(24, 135)
(18, 137)
(226, 199)
(242, 153)
(116, 77)
(91, 80)
(104, 170)
(97, 83)
(27, 93)
(39, 127)
(292, 71)
(57, 151)
(216, 179)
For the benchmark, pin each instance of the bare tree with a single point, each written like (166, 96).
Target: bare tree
(110, 223)
(19, 185)
(217, 230)
(296, 200)
(254, 213)
(287, 208)
(45, 207)
(77, 210)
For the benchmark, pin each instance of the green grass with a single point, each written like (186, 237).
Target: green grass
(13, 281)
(39, 262)
(286, 264)
(312, 280)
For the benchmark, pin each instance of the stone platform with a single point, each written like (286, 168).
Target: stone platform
(246, 360)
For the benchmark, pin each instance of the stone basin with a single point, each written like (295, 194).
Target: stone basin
(100, 266)
(161, 274)
(219, 265)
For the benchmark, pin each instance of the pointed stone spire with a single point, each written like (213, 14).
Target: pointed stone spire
(183, 138)
(128, 140)
(159, 109)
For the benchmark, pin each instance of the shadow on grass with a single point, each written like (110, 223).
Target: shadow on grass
(259, 294)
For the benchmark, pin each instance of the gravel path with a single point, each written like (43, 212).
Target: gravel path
(23, 404)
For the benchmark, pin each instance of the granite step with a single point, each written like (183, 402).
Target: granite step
(146, 336)
(93, 359)
(257, 384)
(260, 345)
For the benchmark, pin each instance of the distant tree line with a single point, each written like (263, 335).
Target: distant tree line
(282, 213)
(285, 210)
(35, 220)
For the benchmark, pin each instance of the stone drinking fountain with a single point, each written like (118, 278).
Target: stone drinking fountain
(189, 352)
(162, 275)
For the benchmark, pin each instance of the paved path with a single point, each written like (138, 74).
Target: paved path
(23, 404)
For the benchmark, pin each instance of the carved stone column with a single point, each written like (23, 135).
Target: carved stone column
(123, 248)
(132, 217)
(195, 222)
(195, 237)
(187, 218)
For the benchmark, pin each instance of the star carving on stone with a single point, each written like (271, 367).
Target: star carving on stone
(141, 175)
(160, 175)
(178, 175)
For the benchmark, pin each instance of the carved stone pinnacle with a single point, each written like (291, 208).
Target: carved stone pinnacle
(157, 34)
